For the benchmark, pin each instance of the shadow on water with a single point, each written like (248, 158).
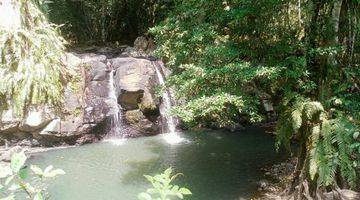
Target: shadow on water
(139, 168)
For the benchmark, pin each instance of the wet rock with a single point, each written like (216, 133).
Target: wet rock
(134, 79)
(140, 124)
(130, 100)
(96, 110)
(87, 139)
(98, 71)
(263, 184)
(73, 101)
(98, 89)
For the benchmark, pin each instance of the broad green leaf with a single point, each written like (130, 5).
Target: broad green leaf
(144, 196)
(162, 187)
(23, 174)
(149, 178)
(168, 172)
(175, 189)
(179, 195)
(159, 178)
(37, 170)
(185, 191)
(54, 173)
(1, 187)
(17, 161)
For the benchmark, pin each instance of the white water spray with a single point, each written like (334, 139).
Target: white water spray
(172, 137)
(115, 135)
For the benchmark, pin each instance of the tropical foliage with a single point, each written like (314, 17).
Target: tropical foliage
(228, 56)
(91, 21)
(32, 70)
(163, 189)
(15, 178)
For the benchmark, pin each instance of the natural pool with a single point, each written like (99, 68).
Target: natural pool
(216, 166)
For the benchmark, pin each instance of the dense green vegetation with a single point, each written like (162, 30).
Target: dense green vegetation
(32, 69)
(99, 22)
(227, 57)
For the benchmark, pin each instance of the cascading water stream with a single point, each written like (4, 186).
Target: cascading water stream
(171, 137)
(115, 134)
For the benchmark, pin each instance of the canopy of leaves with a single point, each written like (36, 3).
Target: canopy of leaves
(93, 21)
(226, 56)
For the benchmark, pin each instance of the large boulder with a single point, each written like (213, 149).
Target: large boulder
(8, 122)
(58, 130)
(135, 82)
(36, 118)
(98, 71)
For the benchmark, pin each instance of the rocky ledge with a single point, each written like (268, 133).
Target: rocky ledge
(88, 109)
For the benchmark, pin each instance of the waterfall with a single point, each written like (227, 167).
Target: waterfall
(171, 137)
(167, 102)
(115, 134)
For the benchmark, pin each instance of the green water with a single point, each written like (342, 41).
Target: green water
(216, 165)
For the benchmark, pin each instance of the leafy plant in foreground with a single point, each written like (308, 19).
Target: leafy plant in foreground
(162, 187)
(14, 178)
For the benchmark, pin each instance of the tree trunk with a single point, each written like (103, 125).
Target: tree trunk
(336, 19)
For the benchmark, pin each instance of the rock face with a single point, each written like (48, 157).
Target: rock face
(86, 114)
(135, 82)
